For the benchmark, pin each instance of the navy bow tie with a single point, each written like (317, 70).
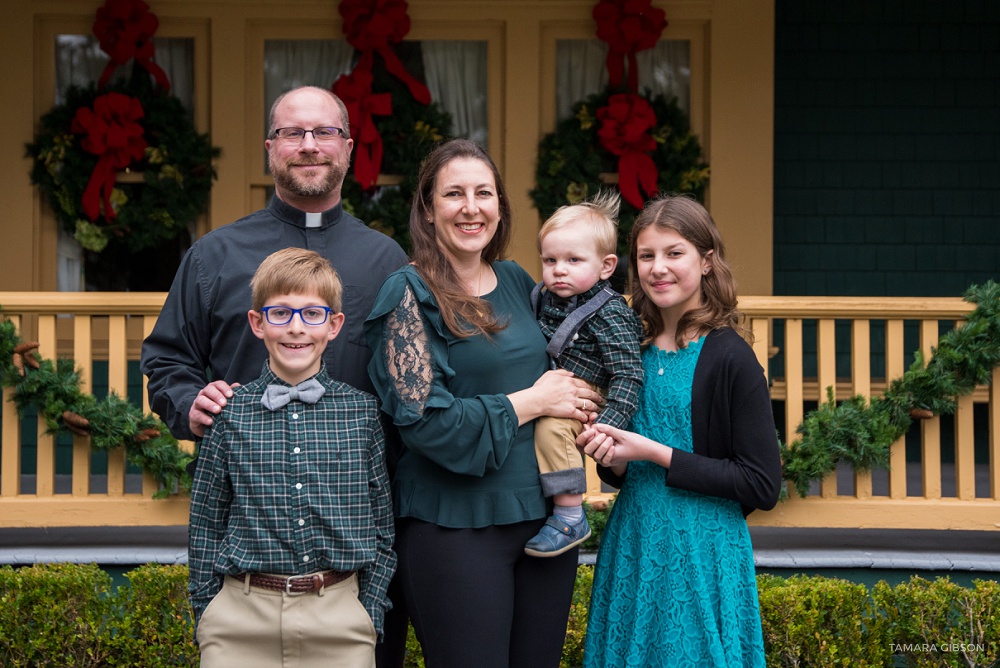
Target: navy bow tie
(276, 396)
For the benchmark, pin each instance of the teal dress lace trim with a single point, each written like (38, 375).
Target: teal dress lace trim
(675, 582)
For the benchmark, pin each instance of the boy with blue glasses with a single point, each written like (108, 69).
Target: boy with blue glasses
(291, 516)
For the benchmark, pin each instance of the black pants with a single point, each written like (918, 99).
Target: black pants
(391, 652)
(477, 600)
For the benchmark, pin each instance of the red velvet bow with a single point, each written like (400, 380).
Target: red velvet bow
(628, 26)
(355, 91)
(625, 125)
(113, 134)
(370, 26)
(125, 29)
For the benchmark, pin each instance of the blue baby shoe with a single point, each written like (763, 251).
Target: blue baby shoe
(556, 537)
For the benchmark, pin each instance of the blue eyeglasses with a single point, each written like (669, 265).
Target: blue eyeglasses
(310, 315)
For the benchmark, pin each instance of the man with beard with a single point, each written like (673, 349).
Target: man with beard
(202, 345)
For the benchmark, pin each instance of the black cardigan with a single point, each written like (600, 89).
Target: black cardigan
(735, 443)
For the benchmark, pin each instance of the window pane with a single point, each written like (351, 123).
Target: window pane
(456, 77)
(581, 70)
(290, 63)
(80, 61)
(454, 72)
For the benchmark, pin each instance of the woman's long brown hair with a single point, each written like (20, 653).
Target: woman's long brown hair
(464, 314)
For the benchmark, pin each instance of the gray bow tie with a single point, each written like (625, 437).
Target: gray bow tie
(276, 396)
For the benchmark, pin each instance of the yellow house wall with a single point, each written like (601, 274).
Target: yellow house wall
(732, 104)
(19, 222)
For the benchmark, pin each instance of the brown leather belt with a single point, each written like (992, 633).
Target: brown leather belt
(296, 584)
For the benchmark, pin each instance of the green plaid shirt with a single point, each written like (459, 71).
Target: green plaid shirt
(605, 351)
(293, 491)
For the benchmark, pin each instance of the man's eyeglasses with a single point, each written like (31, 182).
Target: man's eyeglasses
(319, 134)
(310, 315)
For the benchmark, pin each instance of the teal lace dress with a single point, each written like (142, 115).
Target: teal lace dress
(674, 583)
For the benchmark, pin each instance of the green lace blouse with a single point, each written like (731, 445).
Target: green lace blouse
(465, 462)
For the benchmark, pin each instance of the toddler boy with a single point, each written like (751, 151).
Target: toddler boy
(291, 523)
(593, 333)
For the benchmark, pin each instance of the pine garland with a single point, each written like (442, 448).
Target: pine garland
(53, 390)
(861, 433)
(853, 431)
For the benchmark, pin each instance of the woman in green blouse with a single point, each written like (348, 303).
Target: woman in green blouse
(460, 365)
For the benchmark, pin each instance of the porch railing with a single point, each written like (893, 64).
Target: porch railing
(937, 479)
(944, 475)
(87, 327)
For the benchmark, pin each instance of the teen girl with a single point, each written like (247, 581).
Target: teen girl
(674, 583)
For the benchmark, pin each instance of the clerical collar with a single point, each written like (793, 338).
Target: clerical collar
(289, 214)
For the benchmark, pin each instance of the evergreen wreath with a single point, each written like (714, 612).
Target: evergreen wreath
(861, 433)
(53, 390)
(175, 167)
(572, 159)
(409, 134)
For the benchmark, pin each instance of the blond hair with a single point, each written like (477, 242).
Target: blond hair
(296, 271)
(598, 216)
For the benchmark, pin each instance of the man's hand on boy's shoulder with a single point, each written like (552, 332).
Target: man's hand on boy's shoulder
(209, 402)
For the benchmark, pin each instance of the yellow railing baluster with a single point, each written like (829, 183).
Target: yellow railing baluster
(117, 383)
(45, 466)
(794, 411)
(894, 368)
(826, 370)
(930, 430)
(83, 358)
(10, 452)
(965, 452)
(125, 318)
(861, 383)
(994, 427)
(149, 484)
(965, 448)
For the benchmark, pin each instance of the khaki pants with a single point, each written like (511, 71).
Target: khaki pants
(247, 627)
(560, 463)
(555, 444)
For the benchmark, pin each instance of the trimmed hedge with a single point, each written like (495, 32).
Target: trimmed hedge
(67, 615)
(941, 623)
(56, 615)
(821, 622)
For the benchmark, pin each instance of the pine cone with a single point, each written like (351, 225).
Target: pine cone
(76, 423)
(147, 434)
(25, 352)
(921, 414)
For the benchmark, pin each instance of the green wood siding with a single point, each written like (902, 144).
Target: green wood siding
(887, 146)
